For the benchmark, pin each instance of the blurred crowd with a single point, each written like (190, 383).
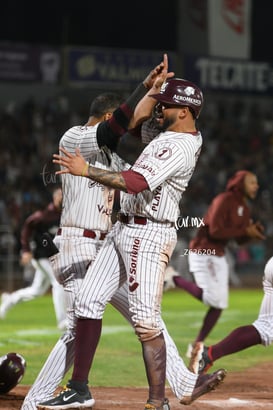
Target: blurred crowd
(238, 134)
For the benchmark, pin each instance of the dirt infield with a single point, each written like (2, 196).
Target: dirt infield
(251, 390)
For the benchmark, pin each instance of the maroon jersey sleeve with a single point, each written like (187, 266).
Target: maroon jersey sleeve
(28, 229)
(134, 181)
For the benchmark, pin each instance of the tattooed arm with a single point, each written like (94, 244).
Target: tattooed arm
(108, 178)
(127, 181)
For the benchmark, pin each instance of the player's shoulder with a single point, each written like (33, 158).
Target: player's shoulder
(180, 137)
(187, 143)
(225, 197)
(75, 130)
(77, 133)
(35, 217)
(70, 135)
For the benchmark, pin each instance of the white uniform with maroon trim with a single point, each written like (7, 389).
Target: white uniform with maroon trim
(167, 164)
(264, 322)
(87, 205)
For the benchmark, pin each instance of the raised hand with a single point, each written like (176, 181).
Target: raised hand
(73, 164)
(158, 75)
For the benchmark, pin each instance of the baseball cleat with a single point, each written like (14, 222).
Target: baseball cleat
(164, 406)
(68, 398)
(206, 360)
(201, 359)
(196, 357)
(204, 384)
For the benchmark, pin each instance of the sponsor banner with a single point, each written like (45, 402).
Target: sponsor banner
(193, 27)
(27, 63)
(233, 75)
(110, 66)
(218, 28)
(229, 28)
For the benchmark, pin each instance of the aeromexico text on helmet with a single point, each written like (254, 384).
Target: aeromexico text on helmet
(188, 91)
(191, 100)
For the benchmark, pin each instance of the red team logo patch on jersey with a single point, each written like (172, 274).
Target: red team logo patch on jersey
(164, 153)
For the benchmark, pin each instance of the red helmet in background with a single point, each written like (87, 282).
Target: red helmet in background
(12, 370)
(177, 91)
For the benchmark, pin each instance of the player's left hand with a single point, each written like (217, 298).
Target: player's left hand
(73, 164)
(158, 75)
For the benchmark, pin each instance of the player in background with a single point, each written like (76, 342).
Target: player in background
(44, 220)
(228, 217)
(243, 337)
(86, 219)
(139, 246)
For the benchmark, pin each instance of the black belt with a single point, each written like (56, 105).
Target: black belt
(87, 233)
(126, 219)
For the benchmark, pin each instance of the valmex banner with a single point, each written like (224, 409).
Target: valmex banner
(110, 66)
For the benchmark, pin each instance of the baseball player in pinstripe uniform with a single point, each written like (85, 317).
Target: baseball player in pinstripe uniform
(259, 332)
(86, 218)
(140, 244)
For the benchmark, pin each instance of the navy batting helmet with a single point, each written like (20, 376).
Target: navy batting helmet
(177, 91)
(12, 370)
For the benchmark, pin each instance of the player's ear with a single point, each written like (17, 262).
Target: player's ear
(183, 112)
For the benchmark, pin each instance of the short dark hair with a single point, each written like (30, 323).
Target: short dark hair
(105, 102)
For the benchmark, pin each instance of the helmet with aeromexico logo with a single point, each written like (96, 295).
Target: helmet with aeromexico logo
(12, 370)
(178, 91)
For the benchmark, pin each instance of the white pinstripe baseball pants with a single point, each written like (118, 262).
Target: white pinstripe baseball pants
(74, 257)
(264, 322)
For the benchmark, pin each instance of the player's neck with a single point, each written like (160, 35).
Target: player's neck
(185, 126)
(93, 121)
(183, 129)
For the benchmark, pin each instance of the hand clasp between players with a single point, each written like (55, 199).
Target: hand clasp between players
(73, 164)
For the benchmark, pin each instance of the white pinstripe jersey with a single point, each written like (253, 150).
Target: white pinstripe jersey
(167, 164)
(86, 203)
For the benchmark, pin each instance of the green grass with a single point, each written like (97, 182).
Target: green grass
(30, 329)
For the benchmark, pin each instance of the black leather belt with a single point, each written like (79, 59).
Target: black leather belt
(87, 233)
(127, 219)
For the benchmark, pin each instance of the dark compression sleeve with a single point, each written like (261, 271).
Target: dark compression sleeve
(109, 132)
